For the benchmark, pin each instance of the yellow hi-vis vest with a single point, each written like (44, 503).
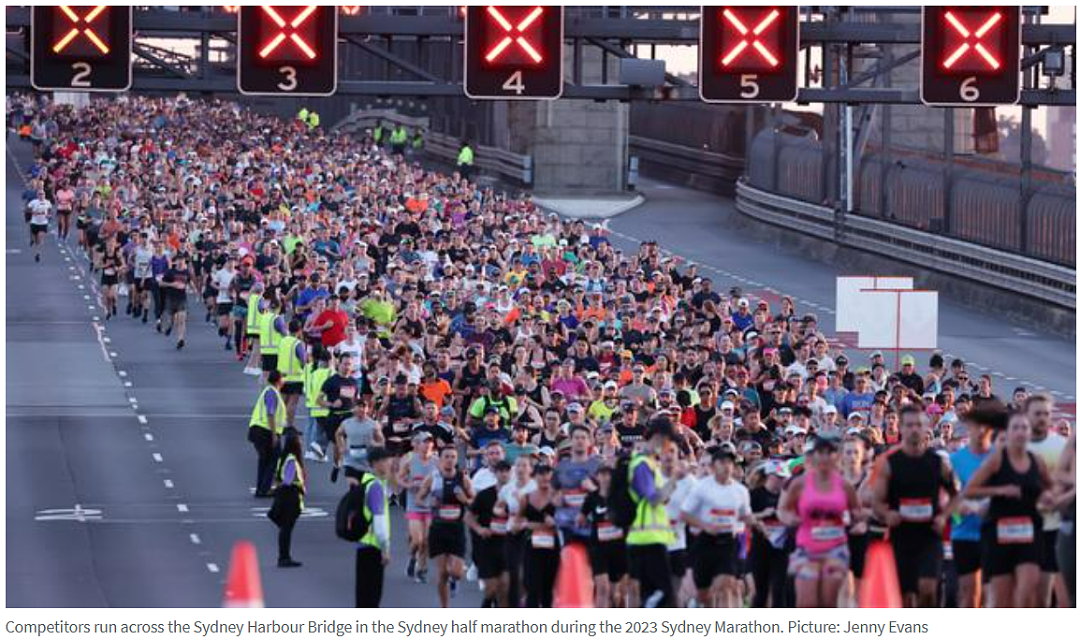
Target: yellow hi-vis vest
(370, 539)
(268, 335)
(314, 377)
(299, 481)
(465, 156)
(651, 524)
(258, 414)
(287, 363)
(313, 120)
(251, 326)
(303, 115)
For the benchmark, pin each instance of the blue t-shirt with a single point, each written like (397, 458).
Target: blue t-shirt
(966, 463)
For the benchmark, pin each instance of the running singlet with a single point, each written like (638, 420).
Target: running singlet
(446, 507)
(965, 462)
(419, 470)
(1015, 520)
(822, 512)
(914, 483)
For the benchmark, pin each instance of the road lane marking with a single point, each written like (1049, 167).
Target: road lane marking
(122, 373)
(168, 483)
(127, 384)
(212, 568)
(149, 437)
(142, 419)
(157, 457)
(195, 538)
(182, 508)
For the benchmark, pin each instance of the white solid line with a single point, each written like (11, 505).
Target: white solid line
(212, 568)
(168, 483)
(157, 457)
(182, 508)
(195, 539)
(142, 419)
(149, 437)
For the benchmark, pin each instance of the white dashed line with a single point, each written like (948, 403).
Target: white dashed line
(107, 340)
(122, 373)
(127, 384)
(195, 539)
(97, 319)
(149, 437)
(182, 508)
(168, 483)
(212, 568)
(157, 457)
(132, 400)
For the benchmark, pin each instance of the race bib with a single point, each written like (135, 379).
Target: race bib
(1018, 530)
(449, 512)
(916, 509)
(946, 550)
(827, 532)
(776, 532)
(724, 519)
(607, 532)
(543, 540)
(401, 427)
(574, 498)
(500, 526)
(348, 392)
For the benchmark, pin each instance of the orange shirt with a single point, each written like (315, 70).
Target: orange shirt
(436, 391)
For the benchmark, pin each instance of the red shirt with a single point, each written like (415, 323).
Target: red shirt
(336, 333)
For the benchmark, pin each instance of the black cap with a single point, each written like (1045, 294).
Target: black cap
(374, 454)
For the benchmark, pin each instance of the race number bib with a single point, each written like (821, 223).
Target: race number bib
(607, 532)
(827, 532)
(724, 519)
(500, 526)
(916, 509)
(1018, 530)
(449, 512)
(543, 540)
(574, 498)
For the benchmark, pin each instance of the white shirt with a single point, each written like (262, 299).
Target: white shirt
(39, 210)
(223, 281)
(715, 503)
(673, 507)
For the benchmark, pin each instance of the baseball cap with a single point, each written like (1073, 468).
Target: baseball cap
(726, 405)
(547, 451)
(906, 360)
(858, 415)
(574, 406)
(795, 431)
(829, 409)
(777, 468)
(611, 384)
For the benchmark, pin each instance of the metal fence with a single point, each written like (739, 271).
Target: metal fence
(985, 204)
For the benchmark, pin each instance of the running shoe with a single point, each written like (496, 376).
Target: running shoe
(410, 570)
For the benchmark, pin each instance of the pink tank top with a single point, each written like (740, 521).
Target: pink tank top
(822, 514)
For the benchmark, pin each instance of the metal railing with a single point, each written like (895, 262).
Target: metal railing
(696, 168)
(1052, 283)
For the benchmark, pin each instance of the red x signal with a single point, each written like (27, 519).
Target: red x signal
(514, 34)
(288, 31)
(81, 25)
(751, 38)
(972, 40)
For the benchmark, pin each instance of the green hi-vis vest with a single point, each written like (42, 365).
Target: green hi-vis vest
(313, 120)
(399, 136)
(418, 141)
(302, 116)
(299, 481)
(314, 377)
(258, 414)
(376, 135)
(651, 524)
(287, 363)
(370, 538)
(252, 324)
(465, 156)
(268, 335)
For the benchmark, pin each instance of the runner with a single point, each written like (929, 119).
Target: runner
(65, 204)
(174, 285)
(1014, 479)
(1049, 446)
(450, 491)
(112, 265)
(818, 502)
(416, 467)
(607, 543)
(651, 531)
(980, 425)
(38, 213)
(143, 282)
(769, 545)
(488, 537)
(339, 395)
(542, 557)
(907, 498)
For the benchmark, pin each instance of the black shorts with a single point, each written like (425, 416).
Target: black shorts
(489, 556)
(145, 284)
(857, 544)
(269, 362)
(353, 472)
(917, 557)
(80, 223)
(608, 559)
(39, 228)
(109, 281)
(714, 556)
(293, 388)
(677, 561)
(1048, 563)
(1003, 559)
(967, 556)
(446, 538)
(329, 425)
(175, 304)
(224, 308)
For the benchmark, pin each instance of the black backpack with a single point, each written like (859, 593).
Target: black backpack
(621, 506)
(349, 521)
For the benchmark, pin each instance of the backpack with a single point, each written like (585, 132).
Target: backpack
(621, 505)
(349, 521)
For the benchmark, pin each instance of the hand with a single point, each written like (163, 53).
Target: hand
(893, 519)
(860, 527)
(1009, 491)
(549, 521)
(484, 532)
(386, 558)
(579, 521)
(939, 524)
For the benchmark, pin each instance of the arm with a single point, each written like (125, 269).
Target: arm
(787, 508)
(380, 519)
(976, 487)
(425, 489)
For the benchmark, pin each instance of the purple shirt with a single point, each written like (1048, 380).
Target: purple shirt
(643, 482)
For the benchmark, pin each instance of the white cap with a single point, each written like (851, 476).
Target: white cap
(830, 409)
(727, 404)
(795, 431)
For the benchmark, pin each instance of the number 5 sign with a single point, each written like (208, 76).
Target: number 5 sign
(513, 52)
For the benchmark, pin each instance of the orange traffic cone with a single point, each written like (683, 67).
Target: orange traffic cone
(243, 589)
(880, 588)
(574, 585)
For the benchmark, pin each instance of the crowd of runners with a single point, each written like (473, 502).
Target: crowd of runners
(515, 383)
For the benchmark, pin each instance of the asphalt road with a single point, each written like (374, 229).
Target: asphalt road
(129, 474)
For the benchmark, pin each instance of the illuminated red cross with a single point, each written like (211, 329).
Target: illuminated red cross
(751, 38)
(972, 40)
(514, 34)
(76, 28)
(288, 31)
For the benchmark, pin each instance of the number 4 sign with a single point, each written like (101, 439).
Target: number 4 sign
(513, 52)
